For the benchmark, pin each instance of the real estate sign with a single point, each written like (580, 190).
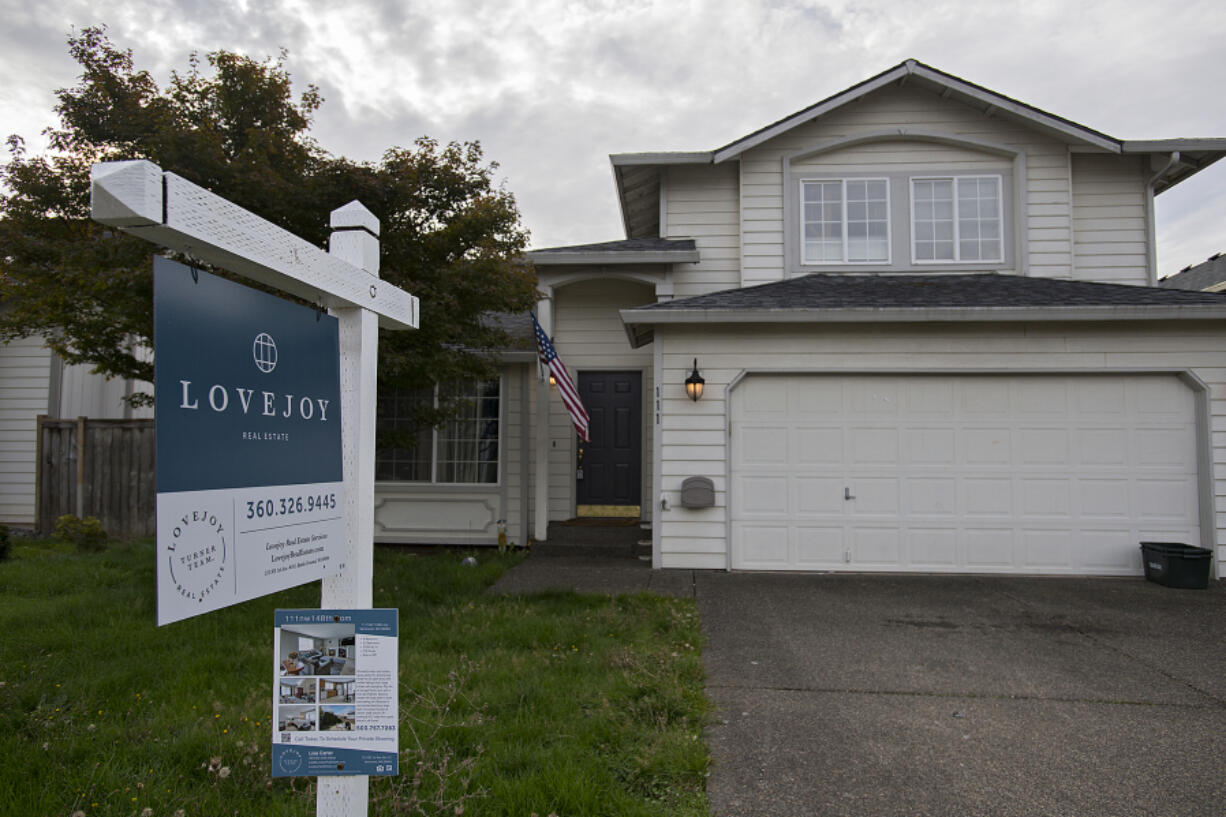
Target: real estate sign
(335, 698)
(249, 474)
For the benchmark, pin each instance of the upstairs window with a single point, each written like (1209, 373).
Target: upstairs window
(956, 219)
(463, 450)
(845, 221)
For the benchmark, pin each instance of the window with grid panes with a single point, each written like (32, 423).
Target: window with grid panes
(956, 219)
(845, 221)
(463, 450)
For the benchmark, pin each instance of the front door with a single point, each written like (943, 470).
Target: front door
(609, 468)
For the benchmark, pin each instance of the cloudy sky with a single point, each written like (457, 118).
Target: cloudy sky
(551, 87)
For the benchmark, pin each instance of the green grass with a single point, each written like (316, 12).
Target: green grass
(562, 703)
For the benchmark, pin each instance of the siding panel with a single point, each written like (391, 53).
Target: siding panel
(703, 203)
(1109, 220)
(25, 377)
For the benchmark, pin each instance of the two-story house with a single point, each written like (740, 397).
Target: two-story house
(925, 319)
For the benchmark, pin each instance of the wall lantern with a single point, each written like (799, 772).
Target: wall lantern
(694, 383)
(553, 381)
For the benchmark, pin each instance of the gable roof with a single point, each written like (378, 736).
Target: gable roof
(1208, 275)
(947, 85)
(637, 175)
(830, 298)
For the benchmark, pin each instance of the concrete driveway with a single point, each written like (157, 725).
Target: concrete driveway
(925, 695)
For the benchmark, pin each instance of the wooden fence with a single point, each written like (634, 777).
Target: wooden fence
(102, 468)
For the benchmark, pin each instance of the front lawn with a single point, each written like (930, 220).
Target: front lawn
(563, 703)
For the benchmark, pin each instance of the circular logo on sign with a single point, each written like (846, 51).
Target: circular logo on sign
(265, 352)
(197, 554)
(290, 761)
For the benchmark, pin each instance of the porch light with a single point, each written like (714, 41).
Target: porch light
(553, 381)
(694, 383)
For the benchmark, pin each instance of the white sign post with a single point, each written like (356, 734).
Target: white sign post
(141, 199)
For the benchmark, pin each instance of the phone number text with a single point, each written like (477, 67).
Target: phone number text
(285, 506)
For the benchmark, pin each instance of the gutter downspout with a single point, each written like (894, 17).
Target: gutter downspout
(1151, 253)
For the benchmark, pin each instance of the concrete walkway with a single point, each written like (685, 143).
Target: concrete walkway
(929, 695)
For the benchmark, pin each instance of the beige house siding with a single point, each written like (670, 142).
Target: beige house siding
(84, 394)
(588, 334)
(1110, 231)
(701, 203)
(694, 435)
(25, 380)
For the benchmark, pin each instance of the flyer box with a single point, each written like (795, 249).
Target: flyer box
(335, 692)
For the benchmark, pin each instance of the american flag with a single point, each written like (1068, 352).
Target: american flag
(566, 386)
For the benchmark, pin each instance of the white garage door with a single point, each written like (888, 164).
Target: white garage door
(962, 474)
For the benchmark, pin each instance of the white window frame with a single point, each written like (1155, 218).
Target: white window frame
(954, 180)
(434, 453)
(889, 246)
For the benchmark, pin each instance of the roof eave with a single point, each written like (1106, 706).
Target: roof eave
(545, 259)
(621, 200)
(1194, 155)
(1171, 145)
(697, 157)
(637, 320)
(623, 163)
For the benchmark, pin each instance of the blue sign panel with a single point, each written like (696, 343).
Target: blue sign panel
(249, 472)
(247, 385)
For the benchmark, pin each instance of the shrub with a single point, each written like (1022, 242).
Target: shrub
(4, 542)
(86, 534)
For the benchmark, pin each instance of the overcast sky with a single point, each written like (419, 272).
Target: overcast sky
(551, 87)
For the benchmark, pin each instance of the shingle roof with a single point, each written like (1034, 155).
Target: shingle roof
(1202, 276)
(823, 291)
(517, 325)
(948, 298)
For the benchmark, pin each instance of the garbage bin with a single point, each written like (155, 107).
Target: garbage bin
(1175, 564)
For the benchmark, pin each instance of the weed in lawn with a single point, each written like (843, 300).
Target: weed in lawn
(436, 776)
(565, 704)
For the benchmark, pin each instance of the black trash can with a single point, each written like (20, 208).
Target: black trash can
(1175, 564)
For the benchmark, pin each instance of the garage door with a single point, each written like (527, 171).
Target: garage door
(962, 474)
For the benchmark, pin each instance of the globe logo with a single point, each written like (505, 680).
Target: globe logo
(265, 351)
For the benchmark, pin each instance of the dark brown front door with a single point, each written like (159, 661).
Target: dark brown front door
(610, 466)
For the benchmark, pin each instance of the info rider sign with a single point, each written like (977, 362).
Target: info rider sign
(249, 474)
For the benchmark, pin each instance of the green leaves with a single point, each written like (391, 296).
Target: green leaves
(450, 234)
